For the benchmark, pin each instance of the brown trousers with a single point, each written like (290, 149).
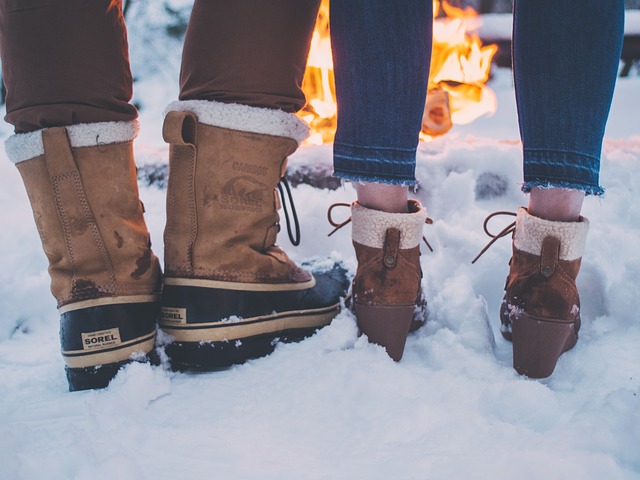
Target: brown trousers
(66, 62)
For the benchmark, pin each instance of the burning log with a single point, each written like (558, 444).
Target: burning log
(437, 113)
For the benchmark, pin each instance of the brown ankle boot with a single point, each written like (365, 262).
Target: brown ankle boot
(387, 295)
(82, 185)
(540, 312)
(230, 292)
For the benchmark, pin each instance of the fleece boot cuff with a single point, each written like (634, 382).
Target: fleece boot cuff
(370, 226)
(531, 232)
(244, 118)
(24, 146)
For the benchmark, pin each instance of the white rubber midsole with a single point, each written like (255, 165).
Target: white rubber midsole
(243, 286)
(98, 302)
(237, 330)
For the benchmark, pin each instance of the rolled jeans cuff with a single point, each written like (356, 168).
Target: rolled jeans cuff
(561, 169)
(394, 166)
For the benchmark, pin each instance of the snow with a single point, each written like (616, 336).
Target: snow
(632, 23)
(334, 406)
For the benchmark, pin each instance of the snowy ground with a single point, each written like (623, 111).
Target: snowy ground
(333, 406)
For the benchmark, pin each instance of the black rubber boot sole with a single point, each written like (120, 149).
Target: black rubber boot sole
(215, 328)
(98, 341)
(211, 356)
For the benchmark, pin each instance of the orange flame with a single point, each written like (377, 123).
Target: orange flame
(460, 66)
(318, 83)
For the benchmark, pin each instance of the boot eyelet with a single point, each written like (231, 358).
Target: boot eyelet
(389, 260)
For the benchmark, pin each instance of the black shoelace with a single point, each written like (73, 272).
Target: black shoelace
(295, 240)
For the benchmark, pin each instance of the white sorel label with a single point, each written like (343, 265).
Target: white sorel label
(102, 339)
(174, 316)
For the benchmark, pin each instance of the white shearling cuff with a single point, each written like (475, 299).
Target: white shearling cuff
(244, 118)
(531, 231)
(369, 227)
(25, 146)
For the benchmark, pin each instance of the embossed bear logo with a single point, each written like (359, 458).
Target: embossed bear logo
(243, 193)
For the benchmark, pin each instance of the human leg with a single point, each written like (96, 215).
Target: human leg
(556, 204)
(229, 290)
(384, 197)
(381, 58)
(64, 63)
(252, 53)
(566, 56)
(74, 152)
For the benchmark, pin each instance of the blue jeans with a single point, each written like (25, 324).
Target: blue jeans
(381, 53)
(566, 55)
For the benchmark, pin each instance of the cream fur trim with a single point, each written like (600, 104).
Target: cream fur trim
(244, 118)
(370, 226)
(24, 146)
(531, 231)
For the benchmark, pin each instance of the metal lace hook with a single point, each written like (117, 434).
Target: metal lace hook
(294, 240)
(494, 238)
(428, 221)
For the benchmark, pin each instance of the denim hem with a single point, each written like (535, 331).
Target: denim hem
(562, 169)
(375, 164)
(369, 178)
(587, 189)
(388, 155)
(367, 149)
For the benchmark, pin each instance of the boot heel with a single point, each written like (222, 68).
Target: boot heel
(538, 343)
(90, 378)
(386, 325)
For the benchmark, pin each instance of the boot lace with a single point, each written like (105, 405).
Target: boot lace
(282, 186)
(509, 229)
(338, 225)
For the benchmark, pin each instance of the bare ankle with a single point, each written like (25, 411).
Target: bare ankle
(383, 197)
(556, 204)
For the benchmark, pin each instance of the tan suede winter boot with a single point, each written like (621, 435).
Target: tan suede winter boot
(387, 295)
(230, 292)
(82, 185)
(540, 312)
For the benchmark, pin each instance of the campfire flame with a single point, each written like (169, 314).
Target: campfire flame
(460, 65)
(457, 92)
(318, 83)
